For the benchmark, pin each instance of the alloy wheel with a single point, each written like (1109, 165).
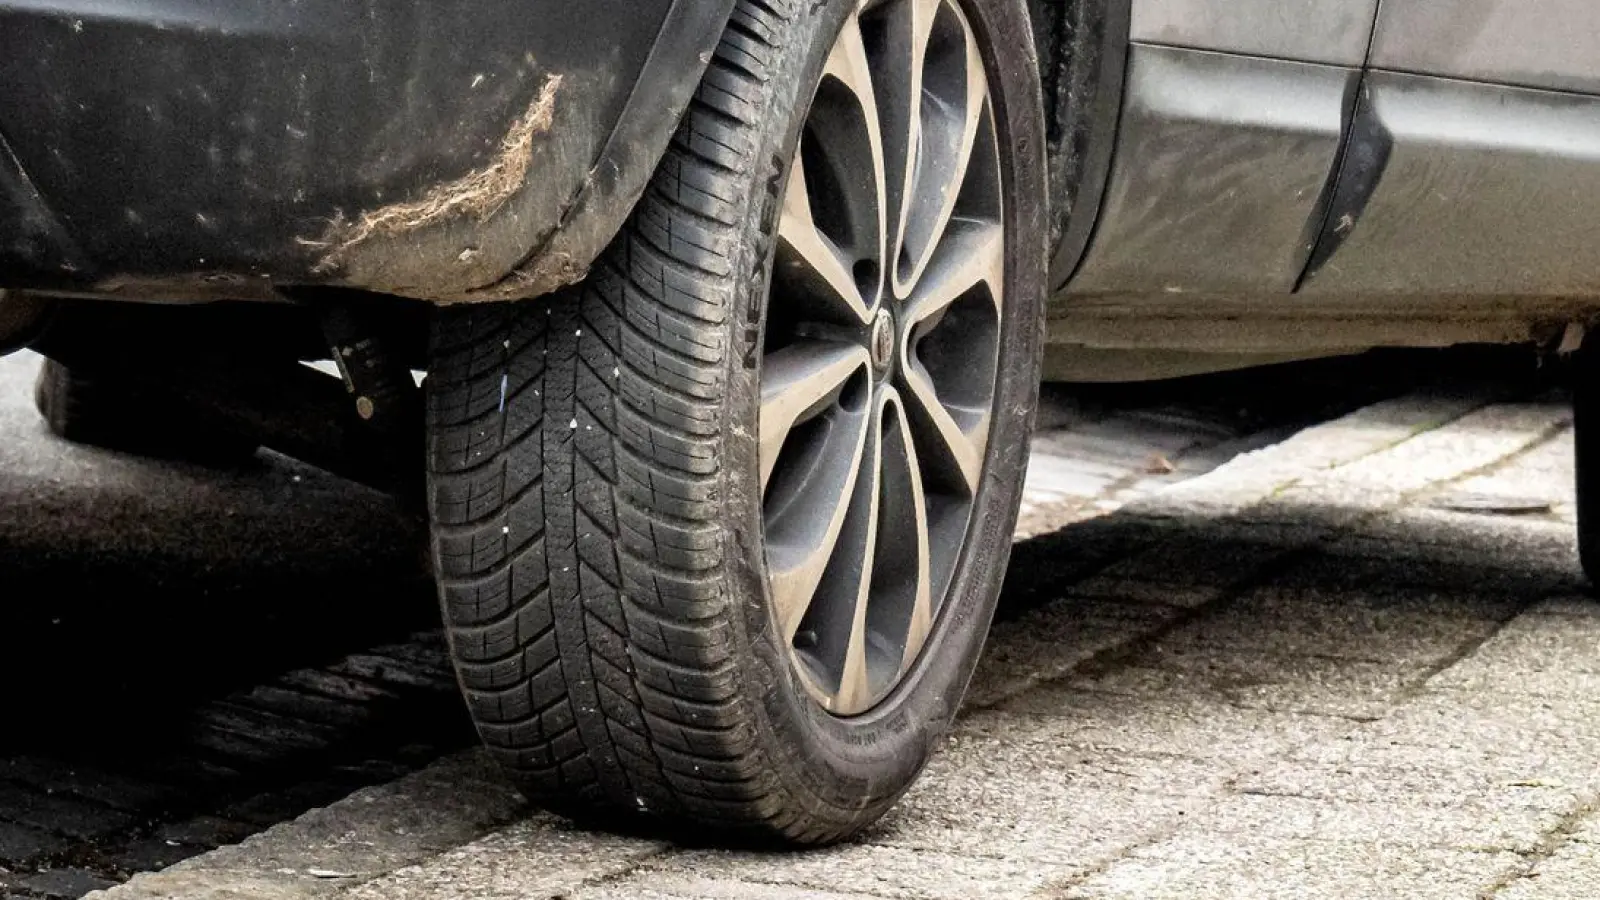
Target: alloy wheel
(880, 353)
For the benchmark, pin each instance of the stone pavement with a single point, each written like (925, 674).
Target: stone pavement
(1356, 662)
(192, 654)
(242, 644)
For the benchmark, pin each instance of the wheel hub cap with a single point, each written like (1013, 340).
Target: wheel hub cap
(880, 353)
(882, 342)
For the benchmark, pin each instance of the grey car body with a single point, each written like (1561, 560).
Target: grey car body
(1312, 177)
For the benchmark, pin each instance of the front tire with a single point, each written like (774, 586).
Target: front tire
(719, 533)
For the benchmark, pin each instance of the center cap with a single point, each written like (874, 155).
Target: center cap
(882, 340)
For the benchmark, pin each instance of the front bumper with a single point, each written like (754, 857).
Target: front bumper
(438, 149)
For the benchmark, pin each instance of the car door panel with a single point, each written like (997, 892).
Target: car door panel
(1468, 189)
(1324, 31)
(1531, 43)
(1221, 167)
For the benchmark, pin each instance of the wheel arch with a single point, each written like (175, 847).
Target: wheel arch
(1083, 52)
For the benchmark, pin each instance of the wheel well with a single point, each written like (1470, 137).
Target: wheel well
(1083, 47)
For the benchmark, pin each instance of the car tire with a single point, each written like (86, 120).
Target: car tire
(102, 412)
(719, 532)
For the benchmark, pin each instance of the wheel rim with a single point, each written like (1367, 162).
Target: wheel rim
(881, 346)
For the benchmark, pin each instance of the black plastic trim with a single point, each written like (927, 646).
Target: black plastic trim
(1090, 60)
(176, 149)
(619, 176)
(1362, 161)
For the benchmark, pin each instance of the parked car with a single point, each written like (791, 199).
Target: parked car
(733, 313)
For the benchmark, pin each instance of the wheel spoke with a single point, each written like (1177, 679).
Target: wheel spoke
(972, 254)
(835, 624)
(949, 109)
(954, 440)
(801, 548)
(807, 513)
(811, 259)
(855, 687)
(902, 609)
(906, 28)
(797, 383)
(837, 175)
(849, 65)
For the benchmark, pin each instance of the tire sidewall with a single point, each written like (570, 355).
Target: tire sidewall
(836, 768)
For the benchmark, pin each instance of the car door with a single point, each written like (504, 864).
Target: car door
(1233, 118)
(1473, 167)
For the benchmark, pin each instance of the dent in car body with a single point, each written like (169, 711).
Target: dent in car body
(1222, 166)
(1485, 190)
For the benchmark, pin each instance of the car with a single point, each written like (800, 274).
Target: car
(707, 334)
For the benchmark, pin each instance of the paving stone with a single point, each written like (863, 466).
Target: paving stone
(283, 801)
(1572, 872)
(1541, 550)
(68, 884)
(299, 705)
(1254, 477)
(149, 854)
(1573, 605)
(273, 733)
(1476, 440)
(1501, 785)
(1564, 650)
(1311, 622)
(19, 842)
(1506, 536)
(374, 831)
(1081, 465)
(1198, 727)
(1198, 867)
(1043, 568)
(60, 813)
(1586, 829)
(889, 872)
(1551, 766)
(350, 673)
(1252, 817)
(1052, 826)
(1011, 788)
(1188, 570)
(1049, 641)
(1471, 568)
(528, 859)
(119, 791)
(651, 885)
(206, 831)
(1509, 725)
(1258, 680)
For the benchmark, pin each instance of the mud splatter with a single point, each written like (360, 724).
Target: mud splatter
(477, 195)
